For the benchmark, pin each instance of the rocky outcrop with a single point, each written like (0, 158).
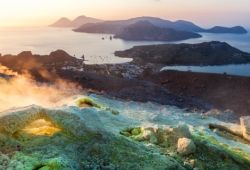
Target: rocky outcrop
(232, 128)
(185, 146)
(242, 130)
(158, 136)
(245, 127)
(173, 141)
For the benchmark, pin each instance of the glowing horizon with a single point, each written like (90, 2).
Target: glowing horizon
(45, 12)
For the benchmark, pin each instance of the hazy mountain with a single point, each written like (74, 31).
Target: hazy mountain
(81, 20)
(146, 31)
(63, 22)
(107, 27)
(235, 30)
(178, 25)
(113, 27)
(77, 22)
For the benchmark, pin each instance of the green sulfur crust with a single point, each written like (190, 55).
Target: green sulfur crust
(236, 154)
(87, 101)
(210, 153)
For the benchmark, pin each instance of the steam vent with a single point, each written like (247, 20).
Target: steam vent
(95, 132)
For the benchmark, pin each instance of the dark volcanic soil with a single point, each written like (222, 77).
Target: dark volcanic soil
(136, 90)
(222, 91)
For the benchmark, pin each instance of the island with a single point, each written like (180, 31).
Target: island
(202, 54)
(117, 26)
(77, 22)
(232, 30)
(145, 31)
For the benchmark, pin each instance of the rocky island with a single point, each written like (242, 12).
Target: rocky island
(207, 53)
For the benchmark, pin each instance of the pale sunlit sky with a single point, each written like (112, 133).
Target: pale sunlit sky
(205, 13)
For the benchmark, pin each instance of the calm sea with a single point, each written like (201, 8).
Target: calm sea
(45, 40)
(97, 48)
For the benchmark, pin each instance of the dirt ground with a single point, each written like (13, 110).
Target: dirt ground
(222, 91)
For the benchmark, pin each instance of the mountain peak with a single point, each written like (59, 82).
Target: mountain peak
(77, 22)
(62, 22)
(64, 18)
(80, 17)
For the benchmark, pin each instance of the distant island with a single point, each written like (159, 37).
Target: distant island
(232, 30)
(144, 28)
(145, 31)
(113, 27)
(207, 53)
(77, 22)
(119, 27)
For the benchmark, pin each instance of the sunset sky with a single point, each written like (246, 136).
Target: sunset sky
(204, 13)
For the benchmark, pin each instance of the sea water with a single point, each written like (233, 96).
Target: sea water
(232, 69)
(99, 48)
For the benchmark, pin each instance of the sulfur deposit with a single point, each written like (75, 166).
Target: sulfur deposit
(94, 132)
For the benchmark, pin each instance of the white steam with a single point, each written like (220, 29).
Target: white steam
(21, 90)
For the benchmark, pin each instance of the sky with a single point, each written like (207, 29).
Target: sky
(206, 13)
